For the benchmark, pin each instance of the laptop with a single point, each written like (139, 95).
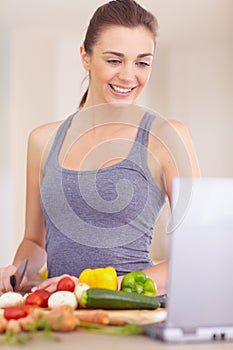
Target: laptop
(200, 288)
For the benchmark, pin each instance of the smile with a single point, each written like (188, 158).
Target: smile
(120, 89)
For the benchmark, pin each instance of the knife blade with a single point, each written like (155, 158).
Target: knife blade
(17, 277)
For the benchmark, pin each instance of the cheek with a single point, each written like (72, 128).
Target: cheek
(144, 77)
(104, 74)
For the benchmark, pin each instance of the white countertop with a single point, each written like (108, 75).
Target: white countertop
(82, 339)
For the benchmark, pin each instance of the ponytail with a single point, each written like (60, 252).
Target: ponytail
(83, 99)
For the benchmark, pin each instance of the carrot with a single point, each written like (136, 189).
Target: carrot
(28, 323)
(64, 323)
(37, 313)
(61, 319)
(13, 326)
(3, 324)
(92, 316)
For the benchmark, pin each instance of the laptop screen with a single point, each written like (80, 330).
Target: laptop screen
(201, 254)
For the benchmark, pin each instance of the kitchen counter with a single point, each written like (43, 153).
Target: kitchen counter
(82, 339)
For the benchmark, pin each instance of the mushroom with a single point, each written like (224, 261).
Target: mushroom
(11, 299)
(62, 297)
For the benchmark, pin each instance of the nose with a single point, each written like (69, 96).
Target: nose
(126, 72)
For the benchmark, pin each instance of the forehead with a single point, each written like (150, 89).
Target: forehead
(123, 39)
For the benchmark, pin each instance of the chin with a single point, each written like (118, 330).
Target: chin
(123, 100)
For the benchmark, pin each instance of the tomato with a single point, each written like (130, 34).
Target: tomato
(39, 298)
(34, 299)
(44, 294)
(14, 313)
(28, 308)
(66, 283)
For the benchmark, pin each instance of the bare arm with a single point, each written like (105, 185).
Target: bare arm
(180, 159)
(32, 245)
(33, 242)
(159, 273)
(172, 147)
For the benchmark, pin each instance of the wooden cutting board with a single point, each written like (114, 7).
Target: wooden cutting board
(128, 316)
(120, 317)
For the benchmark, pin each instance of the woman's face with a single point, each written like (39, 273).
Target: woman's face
(120, 65)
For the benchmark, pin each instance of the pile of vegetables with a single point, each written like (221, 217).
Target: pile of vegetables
(96, 289)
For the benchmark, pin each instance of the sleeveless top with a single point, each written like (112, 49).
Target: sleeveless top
(99, 218)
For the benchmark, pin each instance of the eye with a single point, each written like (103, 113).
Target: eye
(114, 61)
(143, 64)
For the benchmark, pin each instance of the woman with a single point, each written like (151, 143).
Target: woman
(78, 217)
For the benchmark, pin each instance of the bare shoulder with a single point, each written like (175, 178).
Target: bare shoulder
(41, 135)
(173, 141)
(183, 134)
(176, 124)
(40, 141)
(179, 127)
(170, 131)
(161, 125)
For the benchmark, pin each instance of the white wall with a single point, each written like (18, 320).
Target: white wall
(41, 79)
(6, 175)
(194, 84)
(49, 71)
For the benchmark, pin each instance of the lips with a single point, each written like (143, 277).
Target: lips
(121, 90)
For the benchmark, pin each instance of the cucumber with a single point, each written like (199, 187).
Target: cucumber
(162, 300)
(101, 298)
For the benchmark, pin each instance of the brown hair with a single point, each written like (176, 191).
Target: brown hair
(127, 13)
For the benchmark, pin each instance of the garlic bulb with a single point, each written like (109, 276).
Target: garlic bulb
(79, 289)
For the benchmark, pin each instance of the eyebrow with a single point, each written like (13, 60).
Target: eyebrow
(119, 54)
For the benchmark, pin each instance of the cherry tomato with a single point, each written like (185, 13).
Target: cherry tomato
(14, 313)
(44, 294)
(28, 308)
(38, 298)
(34, 299)
(66, 283)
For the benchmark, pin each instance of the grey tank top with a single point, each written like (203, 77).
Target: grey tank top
(99, 218)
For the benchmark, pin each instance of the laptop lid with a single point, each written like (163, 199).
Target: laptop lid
(200, 292)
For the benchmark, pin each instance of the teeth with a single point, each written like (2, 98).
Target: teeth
(118, 89)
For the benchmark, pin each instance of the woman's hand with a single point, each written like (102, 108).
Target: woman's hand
(5, 273)
(50, 284)
(119, 278)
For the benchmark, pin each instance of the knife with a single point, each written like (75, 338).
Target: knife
(16, 279)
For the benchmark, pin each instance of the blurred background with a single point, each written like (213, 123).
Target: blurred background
(41, 81)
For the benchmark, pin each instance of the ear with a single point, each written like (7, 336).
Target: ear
(85, 57)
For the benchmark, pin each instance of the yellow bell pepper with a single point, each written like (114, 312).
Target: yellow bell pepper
(100, 278)
(43, 273)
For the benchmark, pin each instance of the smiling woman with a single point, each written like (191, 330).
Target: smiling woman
(119, 59)
(97, 181)
(120, 65)
(126, 44)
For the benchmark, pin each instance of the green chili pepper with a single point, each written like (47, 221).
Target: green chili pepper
(138, 282)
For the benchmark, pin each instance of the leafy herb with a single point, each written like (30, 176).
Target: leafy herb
(112, 330)
(13, 338)
(42, 325)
